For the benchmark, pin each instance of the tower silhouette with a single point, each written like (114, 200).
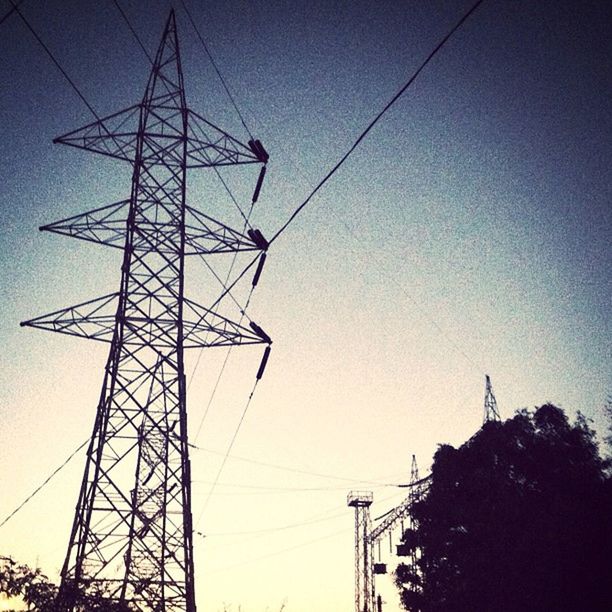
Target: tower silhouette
(131, 538)
(491, 412)
(364, 562)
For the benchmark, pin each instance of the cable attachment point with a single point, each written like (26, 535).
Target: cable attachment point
(260, 332)
(257, 237)
(264, 361)
(258, 149)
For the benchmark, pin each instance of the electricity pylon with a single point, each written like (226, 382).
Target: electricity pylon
(131, 537)
(391, 520)
(364, 578)
(491, 413)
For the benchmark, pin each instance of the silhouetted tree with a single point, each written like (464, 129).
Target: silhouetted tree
(41, 595)
(516, 519)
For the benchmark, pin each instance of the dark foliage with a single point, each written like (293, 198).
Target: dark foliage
(40, 595)
(516, 519)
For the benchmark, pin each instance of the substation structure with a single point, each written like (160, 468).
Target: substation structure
(131, 539)
(368, 540)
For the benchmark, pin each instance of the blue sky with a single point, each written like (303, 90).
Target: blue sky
(468, 234)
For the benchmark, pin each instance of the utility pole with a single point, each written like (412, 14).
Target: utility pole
(491, 412)
(364, 579)
(131, 538)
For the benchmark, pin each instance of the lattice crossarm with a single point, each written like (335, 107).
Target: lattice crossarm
(205, 235)
(398, 513)
(205, 328)
(94, 319)
(114, 136)
(208, 145)
(104, 225)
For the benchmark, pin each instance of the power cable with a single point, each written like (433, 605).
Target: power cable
(284, 550)
(437, 48)
(281, 552)
(45, 482)
(55, 61)
(10, 12)
(269, 489)
(227, 452)
(133, 31)
(274, 529)
(214, 64)
(297, 470)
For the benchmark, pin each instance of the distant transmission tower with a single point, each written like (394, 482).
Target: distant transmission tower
(414, 552)
(132, 533)
(364, 578)
(491, 412)
(390, 521)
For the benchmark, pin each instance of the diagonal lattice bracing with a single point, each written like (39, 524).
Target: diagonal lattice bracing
(150, 322)
(132, 532)
(108, 226)
(117, 136)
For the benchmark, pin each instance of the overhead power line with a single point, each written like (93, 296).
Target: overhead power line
(376, 119)
(54, 60)
(44, 483)
(228, 451)
(10, 12)
(133, 31)
(214, 64)
(298, 470)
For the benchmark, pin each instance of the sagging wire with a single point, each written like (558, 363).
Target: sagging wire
(261, 258)
(377, 118)
(55, 61)
(44, 483)
(214, 64)
(381, 482)
(227, 452)
(133, 31)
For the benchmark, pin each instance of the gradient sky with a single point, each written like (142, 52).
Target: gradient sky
(469, 234)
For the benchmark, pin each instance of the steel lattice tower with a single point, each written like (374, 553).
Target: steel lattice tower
(491, 413)
(364, 559)
(132, 532)
(414, 495)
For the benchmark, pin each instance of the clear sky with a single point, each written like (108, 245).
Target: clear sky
(469, 234)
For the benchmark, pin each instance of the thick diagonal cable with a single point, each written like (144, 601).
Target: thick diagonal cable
(44, 483)
(214, 64)
(227, 452)
(376, 119)
(54, 60)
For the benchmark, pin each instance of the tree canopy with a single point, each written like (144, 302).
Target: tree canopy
(34, 589)
(517, 518)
